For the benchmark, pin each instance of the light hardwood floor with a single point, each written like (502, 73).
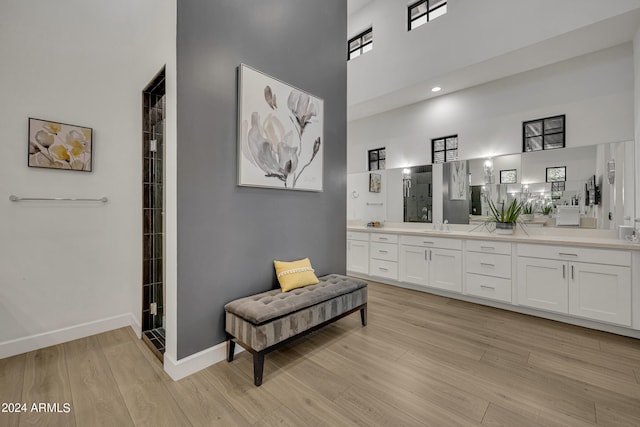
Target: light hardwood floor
(422, 360)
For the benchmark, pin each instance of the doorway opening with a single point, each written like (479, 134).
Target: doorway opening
(153, 284)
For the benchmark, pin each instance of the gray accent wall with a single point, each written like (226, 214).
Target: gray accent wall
(228, 236)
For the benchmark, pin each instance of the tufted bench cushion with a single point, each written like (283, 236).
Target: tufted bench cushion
(261, 308)
(263, 322)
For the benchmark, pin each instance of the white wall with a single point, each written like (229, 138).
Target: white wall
(636, 116)
(470, 33)
(595, 92)
(72, 269)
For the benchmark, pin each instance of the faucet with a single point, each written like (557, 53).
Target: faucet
(445, 226)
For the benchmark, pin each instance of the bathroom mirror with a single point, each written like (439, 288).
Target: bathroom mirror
(417, 194)
(521, 176)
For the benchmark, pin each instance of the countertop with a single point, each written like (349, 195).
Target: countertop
(601, 239)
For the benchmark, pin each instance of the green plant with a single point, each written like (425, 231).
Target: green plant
(510, 214)
(546, 210)
(527, 208)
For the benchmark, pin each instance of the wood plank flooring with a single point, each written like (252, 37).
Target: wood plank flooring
(423, 360)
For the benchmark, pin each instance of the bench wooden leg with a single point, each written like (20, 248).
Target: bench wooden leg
(363, 315)
(231, 346)
(258, 367)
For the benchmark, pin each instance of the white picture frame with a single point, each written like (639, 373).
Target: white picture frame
(280, 134)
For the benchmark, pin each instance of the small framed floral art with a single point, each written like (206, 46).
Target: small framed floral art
(280, 134)
(54, 145)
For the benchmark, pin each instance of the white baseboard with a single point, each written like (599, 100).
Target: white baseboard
(136, 326)
(178, 369)
(59, 336)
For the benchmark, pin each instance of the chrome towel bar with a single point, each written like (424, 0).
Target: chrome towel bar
(15, 198)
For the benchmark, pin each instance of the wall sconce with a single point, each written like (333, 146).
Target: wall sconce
(488, 171)
(488, 167)
(611, 168)
(406, 181)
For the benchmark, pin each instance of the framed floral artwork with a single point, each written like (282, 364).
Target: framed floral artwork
(280, 133)
(55, 145)
(556, 173)
(509, 176)
(375, 182)
(458, 180)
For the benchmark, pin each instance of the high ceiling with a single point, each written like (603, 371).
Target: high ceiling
(375, 86)
(355, 5)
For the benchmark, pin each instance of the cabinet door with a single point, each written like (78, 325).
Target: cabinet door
(543, 283)
(358, 256)
(413, 265)
(445, 269)
(600, 292)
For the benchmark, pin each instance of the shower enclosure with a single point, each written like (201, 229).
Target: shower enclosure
(153, 289)
(417, 183)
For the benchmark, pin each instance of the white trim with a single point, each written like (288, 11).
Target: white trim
(136, 326)
(59, 336)
(178, 369)
(559, 317)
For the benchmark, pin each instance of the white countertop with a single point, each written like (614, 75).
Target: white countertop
(601, 239)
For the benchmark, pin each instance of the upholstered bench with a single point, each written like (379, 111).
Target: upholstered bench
(264, 322)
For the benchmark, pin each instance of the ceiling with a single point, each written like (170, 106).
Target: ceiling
(355, 5)
(599, 35)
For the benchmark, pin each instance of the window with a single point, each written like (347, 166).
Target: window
(360, 44)
(543, 134)
(424, 11)
(377, 159)
(444, 149)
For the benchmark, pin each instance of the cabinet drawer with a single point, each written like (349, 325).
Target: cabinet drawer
(384, 238)
(489, 287)
(568, 253)
(383, 268)
(358, 235)
(489, 247)
(387, 251)
(489, 264)
(431, 242)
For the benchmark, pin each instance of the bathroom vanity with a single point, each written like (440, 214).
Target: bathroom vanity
(584, 277)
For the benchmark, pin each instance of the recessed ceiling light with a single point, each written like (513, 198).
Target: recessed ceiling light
(436, 89)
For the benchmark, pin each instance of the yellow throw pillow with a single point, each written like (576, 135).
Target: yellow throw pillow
(295, 274)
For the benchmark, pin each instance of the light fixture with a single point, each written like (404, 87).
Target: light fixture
(611, 169)
(406, 181)
(436, 89)
(488, 166)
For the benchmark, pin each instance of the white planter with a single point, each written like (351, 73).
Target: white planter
(505, 227)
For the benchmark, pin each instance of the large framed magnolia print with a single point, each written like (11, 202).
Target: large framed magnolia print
(280, 133)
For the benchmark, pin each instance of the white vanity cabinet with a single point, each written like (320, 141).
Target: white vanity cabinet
(431, 261)
(358, 252)
(488, 269)
(383, 256)
(584, 282)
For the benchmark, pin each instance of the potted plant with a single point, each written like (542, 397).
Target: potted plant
(527, 212)
(505, 218)
(546, 210)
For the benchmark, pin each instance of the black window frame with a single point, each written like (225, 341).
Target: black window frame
(544, 134)
(362, 44)
(428, 13)
(377, 159)
(445, 149)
